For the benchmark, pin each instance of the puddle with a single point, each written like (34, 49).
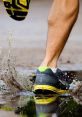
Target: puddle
(26, 104)
(40, 106)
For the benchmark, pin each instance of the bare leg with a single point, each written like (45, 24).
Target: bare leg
(62, 17)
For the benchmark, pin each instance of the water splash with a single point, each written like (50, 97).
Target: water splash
(8, 71)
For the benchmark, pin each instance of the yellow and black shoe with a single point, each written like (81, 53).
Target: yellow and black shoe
(17, 9)
(47, 80)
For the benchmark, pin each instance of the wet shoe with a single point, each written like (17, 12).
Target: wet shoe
(17, 9)
(47, 80)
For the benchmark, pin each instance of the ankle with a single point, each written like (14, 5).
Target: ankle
(49, 64)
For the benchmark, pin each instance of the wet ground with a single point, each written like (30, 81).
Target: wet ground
(41, 106)
(27, 104)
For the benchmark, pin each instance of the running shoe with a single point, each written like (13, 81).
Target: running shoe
(17, 9)
(47, 80)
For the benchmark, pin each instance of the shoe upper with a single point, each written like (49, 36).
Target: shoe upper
(48, 77)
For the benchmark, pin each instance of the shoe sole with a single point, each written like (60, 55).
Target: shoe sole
(17, 9)
(49, 88)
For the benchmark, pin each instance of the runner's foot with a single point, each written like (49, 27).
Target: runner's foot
(47, 80)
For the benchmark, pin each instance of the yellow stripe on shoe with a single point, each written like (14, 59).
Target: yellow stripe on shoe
(50, 88)
(23, 2)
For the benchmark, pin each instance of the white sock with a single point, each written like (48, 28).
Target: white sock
(54, 69)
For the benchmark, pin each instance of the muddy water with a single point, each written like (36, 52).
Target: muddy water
(27, 104)
(41, 106)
